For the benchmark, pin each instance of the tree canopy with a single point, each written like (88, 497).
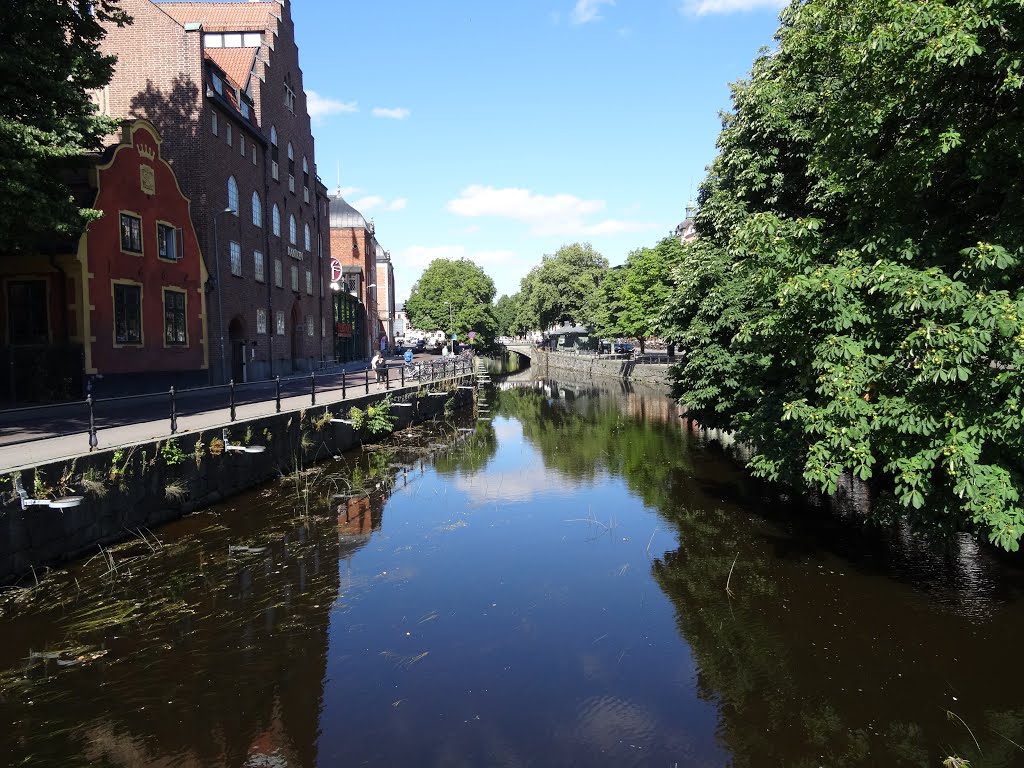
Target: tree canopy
(855, 299)
(630, 298)
(560, 287)
(49, 54)
(454, 296)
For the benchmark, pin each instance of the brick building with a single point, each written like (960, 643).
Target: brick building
(221, 81)
(126, 303)
(354, 248)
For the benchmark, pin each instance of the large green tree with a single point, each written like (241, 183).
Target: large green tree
(854, 302)
(630, 299)
(454, 296)
(560, 287)
(50, 60)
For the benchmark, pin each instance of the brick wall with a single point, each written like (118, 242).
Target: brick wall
(160, 75)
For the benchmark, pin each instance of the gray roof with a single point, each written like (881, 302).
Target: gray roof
(343, 215)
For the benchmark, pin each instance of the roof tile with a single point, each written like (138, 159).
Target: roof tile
(225, 17)
(236, 63)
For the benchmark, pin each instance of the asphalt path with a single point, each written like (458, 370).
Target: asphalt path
(24, 425)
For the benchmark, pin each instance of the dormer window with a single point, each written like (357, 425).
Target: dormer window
(218, 84)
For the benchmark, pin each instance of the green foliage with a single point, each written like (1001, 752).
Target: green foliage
(506, 315)
(358, 417)
(379, 417)
(456, 297)
(854, 301)
(50, 59)
(630, 299)
(560, 287)
(171, 453)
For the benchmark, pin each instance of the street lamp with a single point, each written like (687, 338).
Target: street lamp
(220, 292)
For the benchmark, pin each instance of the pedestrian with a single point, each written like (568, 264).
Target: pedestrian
(379, 366)
(383, 345)
(408, 357)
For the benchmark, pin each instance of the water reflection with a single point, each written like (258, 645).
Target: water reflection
(547, 588)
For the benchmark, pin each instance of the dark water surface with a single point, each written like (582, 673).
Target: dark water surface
(547, 590)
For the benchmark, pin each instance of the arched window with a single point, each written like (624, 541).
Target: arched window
(275, 220)
(233, 195)
(273, 135)
(257, 210)
(292, 232)
(291, 152)
(305, 232)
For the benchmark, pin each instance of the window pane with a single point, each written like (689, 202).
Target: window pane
(131, 233)
(236, 258)
(257, 258)
(251, 39)
(174, 317)
(127, 319)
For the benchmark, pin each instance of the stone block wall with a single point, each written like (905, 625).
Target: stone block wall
(135, 480)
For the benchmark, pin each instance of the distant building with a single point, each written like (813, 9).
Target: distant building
(126, 304)
(386, 295)
(686, 230)
(354, 250)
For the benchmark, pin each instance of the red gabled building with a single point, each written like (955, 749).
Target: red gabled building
(142, 271)
(125, 305)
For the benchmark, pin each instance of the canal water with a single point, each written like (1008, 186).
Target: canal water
(583, 580)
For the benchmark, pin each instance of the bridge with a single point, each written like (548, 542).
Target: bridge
(652, 368)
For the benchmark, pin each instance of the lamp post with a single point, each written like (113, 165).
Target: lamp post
(220, 292)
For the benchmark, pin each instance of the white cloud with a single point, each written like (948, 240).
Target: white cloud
(561, 214)
(349, 191)
(370, 202)
(320, 107)
(396, 113)
(706, 7)
(367, 203)
(587, 11)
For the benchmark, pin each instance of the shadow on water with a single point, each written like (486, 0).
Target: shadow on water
(583, 581)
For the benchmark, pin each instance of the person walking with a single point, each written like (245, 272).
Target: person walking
(379, 366)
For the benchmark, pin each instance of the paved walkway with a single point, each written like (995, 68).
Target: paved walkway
(65, 447)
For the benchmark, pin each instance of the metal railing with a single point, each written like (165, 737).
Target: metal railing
(89, 416)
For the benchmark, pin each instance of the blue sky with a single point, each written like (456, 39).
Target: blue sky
(499, 131)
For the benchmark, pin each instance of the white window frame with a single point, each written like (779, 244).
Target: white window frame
(259, 266)
(235, 258)
(233, 195)
(261, 320)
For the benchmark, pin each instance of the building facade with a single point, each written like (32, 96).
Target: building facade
(386, 297)
(354, 249)
(126, 305)
(222, 82)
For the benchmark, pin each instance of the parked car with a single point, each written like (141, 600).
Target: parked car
(419, 345)
(623, 348)
(604, 346)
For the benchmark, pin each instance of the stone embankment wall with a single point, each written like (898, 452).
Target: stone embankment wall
(591, 365)
(151, 483)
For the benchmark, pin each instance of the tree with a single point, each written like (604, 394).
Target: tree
(631, 298)
(559, 288)
(505, 312)
(50, 58)
(454, 296)
(854, 300)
